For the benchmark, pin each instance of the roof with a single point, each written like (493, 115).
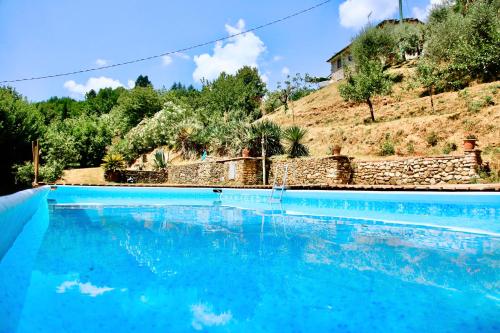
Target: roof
(380, 25)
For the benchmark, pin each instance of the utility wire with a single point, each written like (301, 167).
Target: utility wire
(85, 70)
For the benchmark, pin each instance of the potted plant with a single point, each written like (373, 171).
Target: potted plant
(336, 150)
(245, 152)
(470, 142)
(112, 163)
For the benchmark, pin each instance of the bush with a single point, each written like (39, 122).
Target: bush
(159, 160)
(432, 139)
(270, 133)
(295, 148)
(449, 147)
(25, 173)
(113, 162)
(387, 148)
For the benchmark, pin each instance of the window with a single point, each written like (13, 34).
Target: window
(349, 57)
(339, 63)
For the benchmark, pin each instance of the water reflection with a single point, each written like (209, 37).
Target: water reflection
(181, 268)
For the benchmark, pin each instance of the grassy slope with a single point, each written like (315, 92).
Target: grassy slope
(404, 116)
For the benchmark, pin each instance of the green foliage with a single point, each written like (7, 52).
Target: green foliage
(432, 139)
(159, 160)
(234, 97)
(369, 80)
(143, 81)
(25, 173)
(133, 106)
(103, 101)
(60, 108)
(294, 136)
(463, 44)
(409, 38)
(374, 44)
(20, 123)
(272, 102)
(449, 147)
(113, 162)
(264, 133)
(387, 147)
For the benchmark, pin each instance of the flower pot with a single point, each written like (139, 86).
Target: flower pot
(336, 150)
(245, 152)
(469, 144)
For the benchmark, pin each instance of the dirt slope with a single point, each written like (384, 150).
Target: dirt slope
(405, 118)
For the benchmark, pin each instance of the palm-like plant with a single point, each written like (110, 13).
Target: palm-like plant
(293, 136)
(113, 162)
(159, 160)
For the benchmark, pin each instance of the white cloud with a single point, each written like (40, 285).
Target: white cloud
(264, 78)
(166, 60)
(354, 13)
(130, 84)
(242, 50)
(277, 58)
(101, 62)
(95, 83)
(285, 71)
(182, 55)
(423, 13)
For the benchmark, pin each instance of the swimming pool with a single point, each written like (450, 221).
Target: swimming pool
(100, 259)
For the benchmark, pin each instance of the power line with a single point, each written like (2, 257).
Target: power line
(91, 69)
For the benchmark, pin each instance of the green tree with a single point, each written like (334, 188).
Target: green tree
(133, 106)
(143, 81)
(429, 77)
(375, 43)
(20, 123)
(368, 81)
(103, 101)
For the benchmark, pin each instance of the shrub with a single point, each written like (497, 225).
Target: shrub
(113, 162)
(267, 131)
(432, 139)
(293, 136)
(449, 147)
(159, 160)
(387, 147)
(25, 173)
(410, 147)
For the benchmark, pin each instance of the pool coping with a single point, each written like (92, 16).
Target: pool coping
(493, 187)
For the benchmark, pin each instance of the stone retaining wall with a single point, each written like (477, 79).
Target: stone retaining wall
(420, 170)
(235, 171)
(323, 170)
(145, 177)
(330, 170)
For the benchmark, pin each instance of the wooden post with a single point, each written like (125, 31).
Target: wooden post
(263, 148)
(35, 147)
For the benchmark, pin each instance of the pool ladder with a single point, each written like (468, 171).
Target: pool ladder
(277, 187)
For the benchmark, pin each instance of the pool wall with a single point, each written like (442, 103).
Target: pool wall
(15, 210)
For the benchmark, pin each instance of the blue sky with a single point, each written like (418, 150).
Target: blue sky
(52, 36)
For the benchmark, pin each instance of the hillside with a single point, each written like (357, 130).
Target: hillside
(404, 118)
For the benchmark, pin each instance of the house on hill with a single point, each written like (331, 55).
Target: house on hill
(344, 57)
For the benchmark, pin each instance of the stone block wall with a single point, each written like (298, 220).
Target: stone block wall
(419, 170)
(329, 170)
(235, 171)
(144, 177)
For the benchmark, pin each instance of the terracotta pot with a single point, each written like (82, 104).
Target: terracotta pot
(469, 144)
(336, 150)
(245, 152)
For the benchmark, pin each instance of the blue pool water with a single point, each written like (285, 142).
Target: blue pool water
(180, 260)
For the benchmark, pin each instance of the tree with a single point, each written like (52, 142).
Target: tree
(133, 105)
(429, 77)
(374, 43)
(294, 136)
(264, 138)
(368, 81)
(143, 81)
(20, 123)
(103, 101)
